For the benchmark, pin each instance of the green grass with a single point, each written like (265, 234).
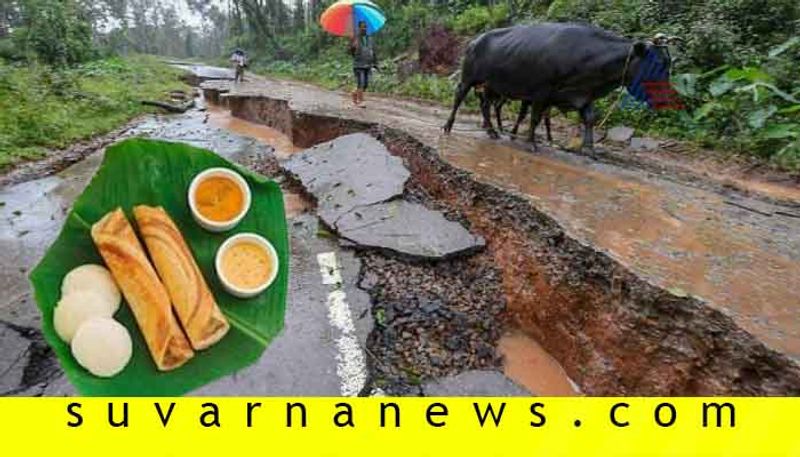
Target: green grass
(42, 108)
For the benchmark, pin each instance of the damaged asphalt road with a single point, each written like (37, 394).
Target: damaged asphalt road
(359, 186)
(318, 352)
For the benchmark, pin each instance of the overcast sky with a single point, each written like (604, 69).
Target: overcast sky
(194, 19)
(191, 17)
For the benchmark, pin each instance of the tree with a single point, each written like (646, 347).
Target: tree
(57, 32)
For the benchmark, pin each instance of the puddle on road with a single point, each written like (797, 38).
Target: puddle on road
(529, 365)
(221, 117)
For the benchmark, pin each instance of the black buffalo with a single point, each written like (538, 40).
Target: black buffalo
(556, 64)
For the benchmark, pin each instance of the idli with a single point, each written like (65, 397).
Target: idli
(75, 308)
(102, 346)
(95, 278)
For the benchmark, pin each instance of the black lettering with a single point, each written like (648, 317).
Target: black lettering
(537, 414)
(250, 408)
(348, 412)
(124, 422)
(72, 411)
(213, 413)
(396, 414)
(289, 408)
(673, 414)
(430, 412)
(614, 415)
(718, 408)
(489, 410)
(164, 419)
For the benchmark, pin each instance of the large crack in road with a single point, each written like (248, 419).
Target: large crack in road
(637, 283)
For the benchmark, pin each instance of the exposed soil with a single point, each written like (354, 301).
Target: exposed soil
(613, 332)
(439, 50)
(222, 118)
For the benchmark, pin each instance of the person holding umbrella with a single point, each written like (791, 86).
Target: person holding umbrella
(359, 20)
(239, 60)
(364, 60)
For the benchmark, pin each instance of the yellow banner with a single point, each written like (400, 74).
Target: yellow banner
(149, 427)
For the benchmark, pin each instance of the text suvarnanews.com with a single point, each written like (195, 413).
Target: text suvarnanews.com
(297, 414)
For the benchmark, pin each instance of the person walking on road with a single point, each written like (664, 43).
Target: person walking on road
(364, 60)
(239, 60)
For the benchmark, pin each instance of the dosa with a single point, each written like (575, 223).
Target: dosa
(194, 304)
(144, 292)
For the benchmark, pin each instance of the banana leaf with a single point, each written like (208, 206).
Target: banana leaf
(139, 171)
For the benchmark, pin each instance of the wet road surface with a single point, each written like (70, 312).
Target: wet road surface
(314, 355)
(739, 254)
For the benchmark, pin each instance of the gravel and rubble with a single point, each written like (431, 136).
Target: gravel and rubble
(432, 319)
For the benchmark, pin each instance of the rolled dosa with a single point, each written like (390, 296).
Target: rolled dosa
(194, 304)
(144, 292)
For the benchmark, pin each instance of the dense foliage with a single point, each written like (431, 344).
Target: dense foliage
(57, 32)
(60, 79)
(42, 107)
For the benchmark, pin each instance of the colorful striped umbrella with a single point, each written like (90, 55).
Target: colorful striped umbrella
(341, 17)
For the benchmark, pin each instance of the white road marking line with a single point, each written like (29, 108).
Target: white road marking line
(339, 312)
(351, 367)
(329, 268)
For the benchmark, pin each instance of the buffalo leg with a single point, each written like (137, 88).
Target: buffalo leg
(547, 126)
(498, 112)
(461, 92)
(523, 111)
(483, 99)
(487, 117)
(588, 117)
(536, 117)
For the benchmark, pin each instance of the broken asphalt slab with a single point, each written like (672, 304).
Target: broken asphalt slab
(408, 228)
(352, 178)
(196, 74)
(350, 171)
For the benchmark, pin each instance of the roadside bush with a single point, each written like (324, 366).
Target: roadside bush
(741, 109)
(479, 19)
(45, 107)
(57, 32)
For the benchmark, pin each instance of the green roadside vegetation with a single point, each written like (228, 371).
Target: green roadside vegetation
(736, 70)
(45, 107)
(61, 83)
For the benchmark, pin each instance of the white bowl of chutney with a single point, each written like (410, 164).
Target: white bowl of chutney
(219, 198)
(246, 264)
